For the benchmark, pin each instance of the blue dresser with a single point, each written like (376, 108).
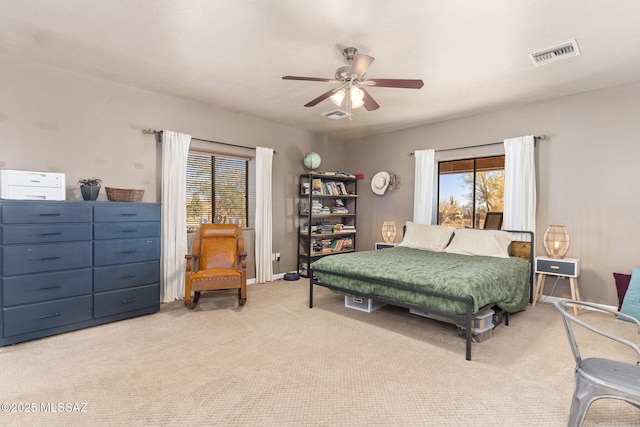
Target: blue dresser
(70, 265)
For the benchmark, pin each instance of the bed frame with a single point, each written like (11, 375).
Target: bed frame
(520, 249)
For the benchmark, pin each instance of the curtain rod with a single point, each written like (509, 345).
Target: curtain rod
(541, 138)
(153, 131)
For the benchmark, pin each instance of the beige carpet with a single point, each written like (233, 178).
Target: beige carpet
(275, 362)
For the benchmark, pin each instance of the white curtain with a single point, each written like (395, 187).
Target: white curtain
(264, 219)
(424, 184)
(175, 148)
(520, 184)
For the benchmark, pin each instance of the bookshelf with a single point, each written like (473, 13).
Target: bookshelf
(327, 217)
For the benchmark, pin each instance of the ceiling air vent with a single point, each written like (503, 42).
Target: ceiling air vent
(336, 114)
(555, 53)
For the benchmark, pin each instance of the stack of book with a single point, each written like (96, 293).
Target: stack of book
(349, 228)
(347, 244)
(316, 206)
(305, 187)
(325, 228)
(339, 207)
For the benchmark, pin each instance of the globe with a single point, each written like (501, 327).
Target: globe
(311, 161)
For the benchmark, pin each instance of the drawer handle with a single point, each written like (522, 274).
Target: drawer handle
(46, 316)
(128, 276)
(554, 267)
(358, 300)
(50, 234)
(128, 252)
(129, 214)
(50, 214)
(48, 288)
(129, 231)
(127, 301)
(50, 258)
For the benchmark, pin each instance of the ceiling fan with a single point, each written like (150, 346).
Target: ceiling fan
(352, 79)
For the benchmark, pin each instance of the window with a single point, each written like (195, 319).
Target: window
(468, 189)
(217, 190)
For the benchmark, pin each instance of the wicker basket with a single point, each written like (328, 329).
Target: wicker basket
(124, 195)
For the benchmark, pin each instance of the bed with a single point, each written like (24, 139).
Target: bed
(446, 272)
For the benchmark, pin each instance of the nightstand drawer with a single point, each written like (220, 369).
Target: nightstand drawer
(558, 267)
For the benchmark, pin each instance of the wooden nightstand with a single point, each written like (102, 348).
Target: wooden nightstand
(566, 267)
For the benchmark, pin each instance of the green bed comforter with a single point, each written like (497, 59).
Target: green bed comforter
(503, 281)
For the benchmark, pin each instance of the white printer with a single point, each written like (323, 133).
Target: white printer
(30, 185)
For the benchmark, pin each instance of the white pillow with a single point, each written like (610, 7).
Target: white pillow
(469, 241)
(429, 237)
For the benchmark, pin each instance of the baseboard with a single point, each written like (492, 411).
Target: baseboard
(552, 300)
(274, 277)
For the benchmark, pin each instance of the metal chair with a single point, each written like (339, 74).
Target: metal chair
(493, 221)
(597, 378)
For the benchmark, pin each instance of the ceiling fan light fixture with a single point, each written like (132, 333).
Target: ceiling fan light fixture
(357, 97)
(338, 97)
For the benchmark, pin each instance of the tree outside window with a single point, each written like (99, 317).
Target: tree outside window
(468, 189)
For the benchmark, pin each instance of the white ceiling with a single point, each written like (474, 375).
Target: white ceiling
(472, 55)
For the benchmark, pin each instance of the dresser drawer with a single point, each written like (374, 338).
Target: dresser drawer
(116, 302)
(21, 259)
(45, 315)
(126, 230)
(127, 212)
(45, 287)
(46, 233)
(109, 252)
(125, 276)
(42, 213)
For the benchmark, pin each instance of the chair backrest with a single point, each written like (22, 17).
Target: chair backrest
(569, 319)
(218, 246)
(493, 221)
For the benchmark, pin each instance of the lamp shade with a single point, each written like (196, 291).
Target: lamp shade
(556, 241)
(389, 231)
(357, 97)
(338, 97)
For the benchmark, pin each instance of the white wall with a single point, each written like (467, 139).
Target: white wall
(587, 175)
(52, 120)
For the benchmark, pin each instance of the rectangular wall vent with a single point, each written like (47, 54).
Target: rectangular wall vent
(336, 114)
(555, 53)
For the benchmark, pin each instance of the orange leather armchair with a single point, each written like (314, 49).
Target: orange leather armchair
(218, 261)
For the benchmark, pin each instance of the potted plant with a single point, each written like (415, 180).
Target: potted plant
(90, 187)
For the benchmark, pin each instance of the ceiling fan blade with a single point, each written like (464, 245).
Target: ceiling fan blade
(369, 103)
(360, 65)
(309, 79)
(400, 83)
(322, 97)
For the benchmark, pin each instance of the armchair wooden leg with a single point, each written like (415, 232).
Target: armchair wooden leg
(242, 296)
(187, 299)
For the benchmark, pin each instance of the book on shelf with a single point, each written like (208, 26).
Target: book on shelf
(316, 186)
